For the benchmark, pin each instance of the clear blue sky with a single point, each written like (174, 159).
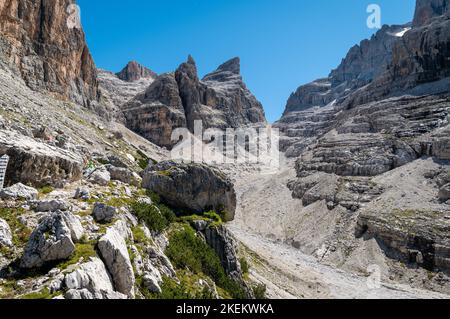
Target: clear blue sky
(282, 44)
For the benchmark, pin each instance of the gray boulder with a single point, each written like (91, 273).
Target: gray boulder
(5, 234)
(85, 294)
(114, 252)
(82, 193)
(124, 175)
(38, 164)
(52, 240)
(193, 187)
(103, 213)
(50, 205)
(100, 176)
(19, 191)
(92, 276)
(444, 193)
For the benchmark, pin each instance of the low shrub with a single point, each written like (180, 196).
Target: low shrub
(186, 250)
(151, 216)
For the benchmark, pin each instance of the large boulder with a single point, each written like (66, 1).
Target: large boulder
(52, 240)
(5, 234)
(114, 252)
(103, 213)
(38, 164)
(19, 191)
(444, 193)
(193, 187)
(50, 205)
(91, 281)
(100, 176)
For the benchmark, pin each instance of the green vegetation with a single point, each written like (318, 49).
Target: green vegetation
(157, 216)
(153, 196)
(43, 294)
(46, 190)
(139, 235)
(260, 291)
(143, 160)
(186, 250)
(151, 216)
(20, 233)
(244, 265)
(82, 250)
(188, 288)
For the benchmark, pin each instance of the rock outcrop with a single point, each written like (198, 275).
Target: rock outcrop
(114, 252)
(52, 240)
(19, 192)
(429, 9)
(192, 187)
(103, 213)
(36, 163)
(40, 42)
(91, 281)
(124, 175)
(5, 234)
(221, 100)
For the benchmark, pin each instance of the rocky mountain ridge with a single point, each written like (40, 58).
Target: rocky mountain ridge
(372, 146)
(220, 100)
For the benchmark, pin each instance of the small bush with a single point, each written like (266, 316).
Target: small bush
(168, 214)
(153, 196)
(244, 265)
(186, 250)
(260, 291)
(46, 190)
(151, 216)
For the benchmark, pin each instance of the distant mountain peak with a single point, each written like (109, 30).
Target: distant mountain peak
(233, 66)
(134, 71)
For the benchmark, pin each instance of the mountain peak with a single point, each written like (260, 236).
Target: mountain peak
(134, 71)
(233, 66)
(428, 9)
(190, 60)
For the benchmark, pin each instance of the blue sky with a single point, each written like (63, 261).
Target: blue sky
(282, 44)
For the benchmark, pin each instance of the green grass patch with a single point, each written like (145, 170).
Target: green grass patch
(151, 216)
(244, 265)
(82, 250)
(20, 233)
(43, 294)
(46, 190)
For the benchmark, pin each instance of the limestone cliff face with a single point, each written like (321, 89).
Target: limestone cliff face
(381, 115)
(220, 100)
(428, 9)
(37, 42)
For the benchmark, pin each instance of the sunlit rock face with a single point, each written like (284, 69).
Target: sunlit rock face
(39, 41)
